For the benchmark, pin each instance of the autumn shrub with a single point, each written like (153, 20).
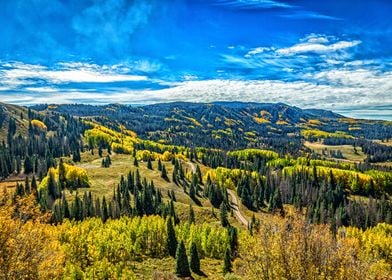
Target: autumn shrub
(28, 250)
(293, 249)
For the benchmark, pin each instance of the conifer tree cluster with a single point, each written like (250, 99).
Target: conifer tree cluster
(147, 200)
(106, 162)
(217, 195)
(36, 152)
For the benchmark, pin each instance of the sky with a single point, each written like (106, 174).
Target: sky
(334, 54)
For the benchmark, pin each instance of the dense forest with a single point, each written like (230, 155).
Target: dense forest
(221, 190)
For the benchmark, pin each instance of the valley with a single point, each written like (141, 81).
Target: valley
(106, 184)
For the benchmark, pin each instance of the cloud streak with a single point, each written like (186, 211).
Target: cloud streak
(339, 90)
(253, 4)
(314, 47)
(19, 74)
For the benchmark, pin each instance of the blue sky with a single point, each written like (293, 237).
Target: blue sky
(333, 54)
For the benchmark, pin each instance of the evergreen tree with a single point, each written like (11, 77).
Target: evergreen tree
(62, 178)
(276, 202)
(53, 186)
(223, 215)
(149, 164)
(28, 165)
(18, 165)
(182, 265)
(233, 235)
(27, 186)
(192, 192)
(106, 162)
(34, 184)
(100, 151)
(227, 262)
(76, 155)
(191, 215)
(171, 242)
(198, 174)
(164, 173)
(104, 210)
(194, 261)
(159, 165)
(65, 207)
(174, 176)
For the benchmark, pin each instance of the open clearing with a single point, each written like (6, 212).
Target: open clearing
(347, 151)
(104, 180)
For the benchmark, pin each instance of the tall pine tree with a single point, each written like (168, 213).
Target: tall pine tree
(182, 265)
(171, 242)
(194, 259)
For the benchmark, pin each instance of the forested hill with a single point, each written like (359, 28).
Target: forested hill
(231, 125)
(120, 192)
(276, 110)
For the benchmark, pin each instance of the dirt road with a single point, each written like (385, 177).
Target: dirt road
(234, 206)
(234, 202)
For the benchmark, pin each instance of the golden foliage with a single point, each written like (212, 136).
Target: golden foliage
(376, 247)
(75, 176)
(229, 178)
(293, 249)
(96, 250)
(39, 125)
(144, 155)
(282, 122)
(28, 250)
(355, 180)
(323, 134)
(247, 154)
(314, 122)
(193, 120)
(260, 120)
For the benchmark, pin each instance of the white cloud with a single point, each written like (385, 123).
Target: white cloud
(355, 85)
(257, 51)
(317, 47)
(41, 89)
(253, 4)
(329, 90)
(18, 74)
(308, 14)
(312, 44)
(363, 89)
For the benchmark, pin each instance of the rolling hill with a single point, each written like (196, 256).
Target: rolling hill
(224, 174)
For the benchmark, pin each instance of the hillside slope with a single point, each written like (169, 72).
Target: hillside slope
(16, 113)
(229, 125)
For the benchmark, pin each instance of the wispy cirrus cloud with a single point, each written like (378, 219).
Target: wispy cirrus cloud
(313, 53)
(16, 74)
(290, 11)
(308, 15)
(252, 4)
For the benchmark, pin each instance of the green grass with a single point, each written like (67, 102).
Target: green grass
(347, 151)
(386, 143)
(14, 112)
(104, 181)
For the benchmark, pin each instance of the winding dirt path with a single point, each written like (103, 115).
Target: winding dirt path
(234, 206)
(234, 202)
(192, 165)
